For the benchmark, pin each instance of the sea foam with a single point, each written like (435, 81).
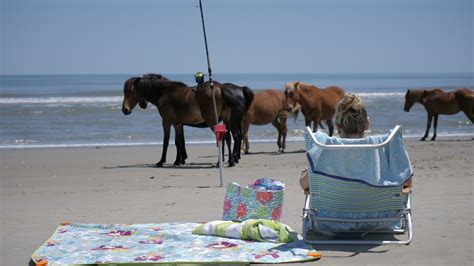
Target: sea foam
(61, 100)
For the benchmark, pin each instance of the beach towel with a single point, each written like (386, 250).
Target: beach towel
(127, 244)
(388, 166)
(251, 229)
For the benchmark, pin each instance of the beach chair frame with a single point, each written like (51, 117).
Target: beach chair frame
(310, 216)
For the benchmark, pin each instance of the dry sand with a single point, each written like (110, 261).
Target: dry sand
(43, 187)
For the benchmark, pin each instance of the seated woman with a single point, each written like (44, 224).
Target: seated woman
(351, 122)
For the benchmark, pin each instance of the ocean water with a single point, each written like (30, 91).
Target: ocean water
(85, 110)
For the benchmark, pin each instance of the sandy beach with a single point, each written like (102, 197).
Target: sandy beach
(42, 187)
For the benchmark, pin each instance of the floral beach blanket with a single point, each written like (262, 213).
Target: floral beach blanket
(76, 244)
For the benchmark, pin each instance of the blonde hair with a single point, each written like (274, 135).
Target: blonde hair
(351, 116)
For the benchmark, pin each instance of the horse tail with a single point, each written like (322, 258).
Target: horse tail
(465, 101)
(248, 95)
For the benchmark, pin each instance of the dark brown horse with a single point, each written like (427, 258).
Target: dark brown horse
(178, 105)
(316, 104)
(268, 106)
(438, 102)
(232, 102)
(175, 102)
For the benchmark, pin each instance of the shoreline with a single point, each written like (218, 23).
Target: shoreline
(440, 137)
(42, 187)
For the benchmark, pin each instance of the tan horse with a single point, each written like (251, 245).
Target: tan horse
(268, 106)
(316, 104)
(438, 102)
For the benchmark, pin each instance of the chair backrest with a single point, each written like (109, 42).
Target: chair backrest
(342, 180)
(338, 195)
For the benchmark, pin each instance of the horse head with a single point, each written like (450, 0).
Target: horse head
(413, 96)
(292, 96)
(131, 95)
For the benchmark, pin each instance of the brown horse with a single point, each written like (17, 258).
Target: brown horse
(438, 102)
(268, 106)
(316, 104)
(232, 102)
(176, 103)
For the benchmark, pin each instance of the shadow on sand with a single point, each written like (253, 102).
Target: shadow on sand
(190, 166)
(351, 250)
(274, 152)
(259, 153)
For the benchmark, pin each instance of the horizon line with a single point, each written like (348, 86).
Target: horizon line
(250, 73)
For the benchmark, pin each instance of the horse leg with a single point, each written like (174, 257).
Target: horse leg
(277, 125)
(307, 123)
(469, 112)
(183, 152)
(470, 116)
(435, 125)
(315, 125)
(178, 131)
(236, 130)
(428, 125)
(245, 136)
(228, 140)
(330, 127)
(237, 135)
(166, 139)
(283, 130)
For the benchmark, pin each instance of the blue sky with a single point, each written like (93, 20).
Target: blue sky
(270, 36)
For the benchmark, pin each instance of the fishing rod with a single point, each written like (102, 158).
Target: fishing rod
(219, 129)
(209, 70)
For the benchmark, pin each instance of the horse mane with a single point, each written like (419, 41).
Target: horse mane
(148, 81)
(296, 85)
(415, 95)
(305, 84)
(291, 85)
(154, 76)
(128, 83)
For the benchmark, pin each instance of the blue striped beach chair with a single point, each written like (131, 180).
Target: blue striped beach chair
(356, 189)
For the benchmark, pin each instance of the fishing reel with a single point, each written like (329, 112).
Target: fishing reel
(199, 77)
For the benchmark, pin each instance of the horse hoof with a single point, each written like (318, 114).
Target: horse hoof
(159, 164)
(231, 164)
(246, 152)
(433, 139)
(182, 162)
(422, 139)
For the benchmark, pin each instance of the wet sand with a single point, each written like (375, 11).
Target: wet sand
(43, 187)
